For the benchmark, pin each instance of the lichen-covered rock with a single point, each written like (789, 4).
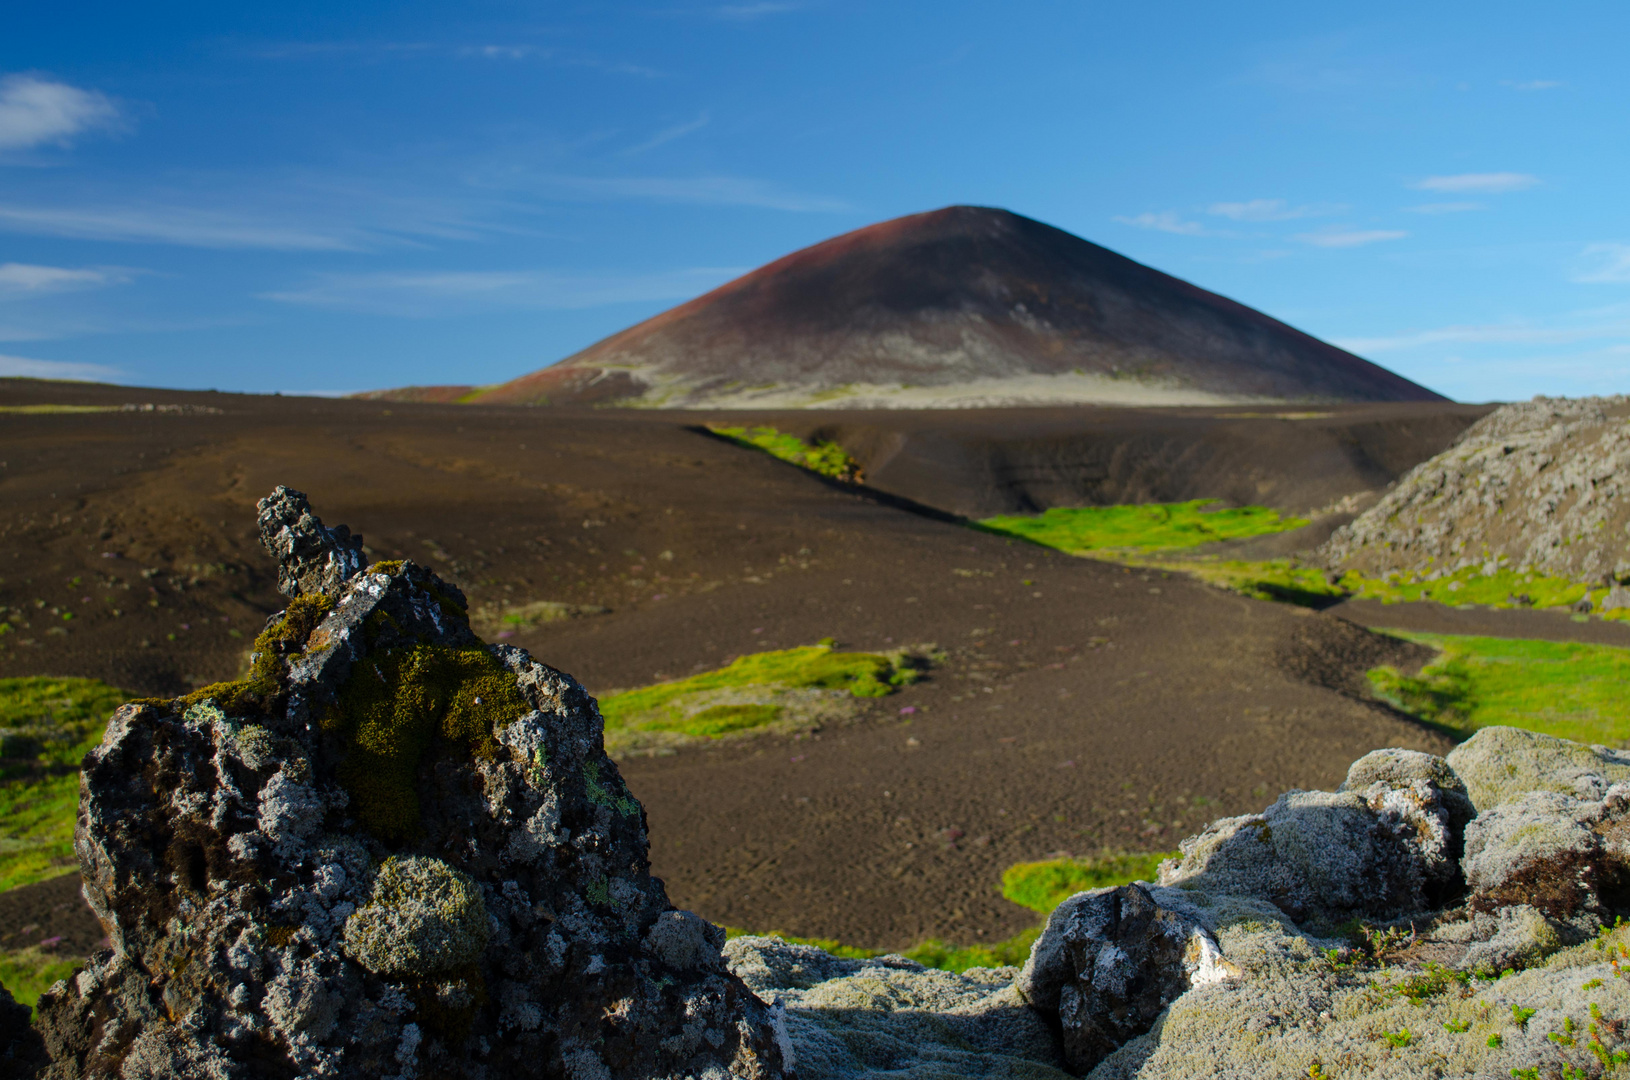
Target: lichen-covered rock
(848, 1019)
(1109, 962)
(1389, 1022)
(1329, 856)
(422, 917)
(1500, 763)
(1534, 486)
(1553, 852)
(311, 558)
(392, 851)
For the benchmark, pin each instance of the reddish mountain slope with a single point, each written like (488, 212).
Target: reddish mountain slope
(961, 306)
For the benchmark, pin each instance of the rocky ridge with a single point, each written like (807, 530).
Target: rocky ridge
(392, 851)
(1536, 486)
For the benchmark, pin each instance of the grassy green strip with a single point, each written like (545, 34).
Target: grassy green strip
(1567, 689)
(43, 410)
(28, 973)
(932, 953)
(1147, 527)
(826, 458)
(46, 727)
(1041, 886)
(1502, 589)
(663, 707)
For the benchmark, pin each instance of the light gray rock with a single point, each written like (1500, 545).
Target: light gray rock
(888, 1017)
(1328, 856)
(1561, 855)
(1500, 763)
(1280, 1023)
(1109, 962)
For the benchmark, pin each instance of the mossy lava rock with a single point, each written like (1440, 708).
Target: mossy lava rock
(392, 851)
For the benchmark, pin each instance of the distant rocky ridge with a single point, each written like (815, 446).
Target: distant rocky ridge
(1540, 486)
(960, 307)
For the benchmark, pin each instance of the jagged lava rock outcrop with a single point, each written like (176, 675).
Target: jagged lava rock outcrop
(392, 851)
(1537, 486)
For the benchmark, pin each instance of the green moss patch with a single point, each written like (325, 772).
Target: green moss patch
(826, 458)
(1568, 689)
(751, 693)
(1143, 528)
(932, 953)
(28, 973)
(1042, 886)
(396, 706)
(1502, 589)
(46, 727)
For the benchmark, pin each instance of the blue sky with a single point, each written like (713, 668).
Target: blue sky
(324, 198)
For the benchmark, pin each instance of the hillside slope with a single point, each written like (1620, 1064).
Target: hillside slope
(957, 307)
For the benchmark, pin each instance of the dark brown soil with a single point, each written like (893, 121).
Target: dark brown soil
(1545, 625)
(51, 914)
(1081, 707)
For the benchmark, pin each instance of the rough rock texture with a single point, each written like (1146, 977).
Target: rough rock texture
(1109, 962)
(1537, 486)
(1325, 857)
(393, 851)
(1500, 763)
(890, 1017)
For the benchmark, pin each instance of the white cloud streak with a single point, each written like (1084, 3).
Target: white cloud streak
(1167, 221)
(36, 112)
(170, 225)
(668, 135)
(702, 190)
(25, 279)
(1610, 264)
(749, 12)
(433, 293)
(24, 367)
(1346, 238)
(1446, 208)
(1268, 210)
(1491, 183)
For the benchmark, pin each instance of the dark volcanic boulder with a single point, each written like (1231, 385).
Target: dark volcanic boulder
(392, 851)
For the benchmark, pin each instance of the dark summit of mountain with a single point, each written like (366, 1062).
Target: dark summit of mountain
(957, 307)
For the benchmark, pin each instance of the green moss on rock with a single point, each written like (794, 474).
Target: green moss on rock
(394, 708)
(422, 918)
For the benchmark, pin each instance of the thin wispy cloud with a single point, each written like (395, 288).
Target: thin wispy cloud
(1346, 238)
(1269, 210)
(170, 225)
(1166, 221)
(39, 112)
(434, 293)
(1533, 84)
(1446, 207)
(26, 279)
(668, 135)
(699, 190)
(406, 50)
(762, 10)
(1491, 183)
(27, 368)
(1610, 323)
(1606, 263)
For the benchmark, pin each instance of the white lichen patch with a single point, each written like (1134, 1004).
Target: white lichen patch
(422, 916)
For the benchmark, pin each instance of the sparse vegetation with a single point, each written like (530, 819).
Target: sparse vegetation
(933, 953)
(1567, 689)
(826, 458)
(1040, 886)
(1141, 528)
(751, 693)
(46, 727)
(28, 973)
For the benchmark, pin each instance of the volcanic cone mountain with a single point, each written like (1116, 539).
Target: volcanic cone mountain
(964, 306)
